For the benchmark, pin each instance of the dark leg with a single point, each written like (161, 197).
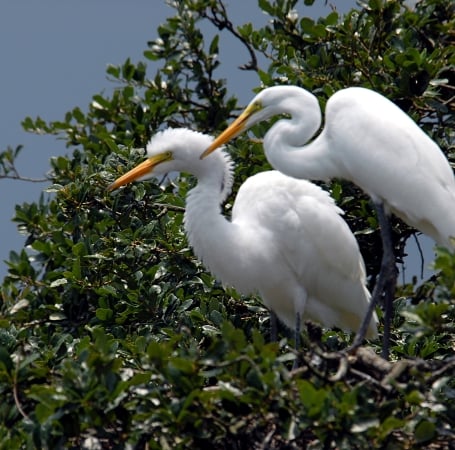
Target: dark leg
(386, 283)
(388, 267)
(273, 327)
(297, 338)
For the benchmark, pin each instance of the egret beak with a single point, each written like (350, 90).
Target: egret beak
(140, 170)
(234, 129)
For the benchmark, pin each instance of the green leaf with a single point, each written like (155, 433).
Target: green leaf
(424, 431)
(213, 49)
(107, 290)
(113, 70)
(5, 360)
(43, 412)
(104, 314)
(414, 397)
(79, 249)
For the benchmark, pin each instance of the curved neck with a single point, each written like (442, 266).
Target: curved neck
(206, 227)
(214, 239)
(287, 150)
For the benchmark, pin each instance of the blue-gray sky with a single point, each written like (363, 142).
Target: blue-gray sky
(54, 56)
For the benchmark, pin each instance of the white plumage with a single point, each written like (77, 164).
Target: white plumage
(366, 139)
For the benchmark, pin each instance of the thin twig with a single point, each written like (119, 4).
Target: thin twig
(268, 438)
(342, 369)
(21, 178)
(368, 378)
(422, 259)
(17, 402)
(222, 23)
(169, 207)
(450, 363)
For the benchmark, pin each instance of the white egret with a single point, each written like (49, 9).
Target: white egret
(286, 239)
(370, 141)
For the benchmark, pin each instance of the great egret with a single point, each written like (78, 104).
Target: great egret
(370, 141)
(286, 239)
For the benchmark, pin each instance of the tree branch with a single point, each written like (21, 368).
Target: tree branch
(221, 22)
(16, 176)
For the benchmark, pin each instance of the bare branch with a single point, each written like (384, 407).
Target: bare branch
(422, 259)
(16, 176)
(17, 401)
(222, 22)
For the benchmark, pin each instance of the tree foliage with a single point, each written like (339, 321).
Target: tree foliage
(112, 334)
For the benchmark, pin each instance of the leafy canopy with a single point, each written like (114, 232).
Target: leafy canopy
(112, 334)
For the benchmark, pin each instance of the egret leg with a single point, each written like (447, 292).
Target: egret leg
(389, 273)
(273, 327)
(385, 284)
(297, 339)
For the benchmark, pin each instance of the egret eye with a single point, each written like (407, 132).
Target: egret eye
(256, 106)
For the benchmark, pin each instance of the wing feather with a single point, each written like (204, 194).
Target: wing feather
(314, 242)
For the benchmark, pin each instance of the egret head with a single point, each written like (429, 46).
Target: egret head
(268, 103)
(171, 150)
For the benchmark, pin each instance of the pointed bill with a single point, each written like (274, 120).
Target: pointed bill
(238, 126)
(144, 168)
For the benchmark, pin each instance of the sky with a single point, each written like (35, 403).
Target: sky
(54, 58)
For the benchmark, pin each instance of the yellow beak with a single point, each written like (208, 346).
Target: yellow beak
(140, 170)
(233, 130)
